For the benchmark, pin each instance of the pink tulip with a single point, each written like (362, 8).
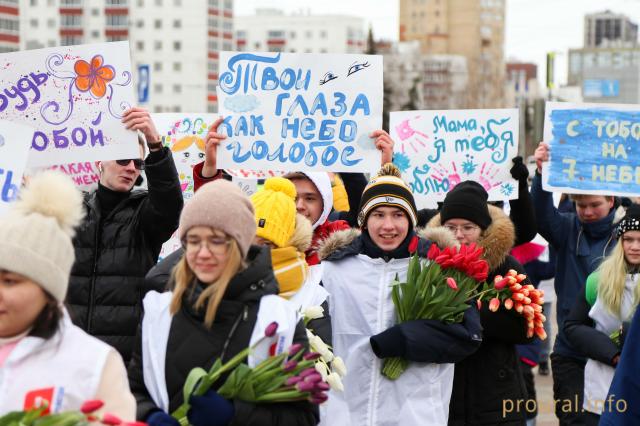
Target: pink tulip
(111, 420)
(305, 386)
(494, 304)
(318, 398)
(289, 366)
(311, 355)
(271, 329)
(91, 406)
(295, 348)
(322, 386)
(452, 283)
(313, 378)
(292, 380)
(305, 373)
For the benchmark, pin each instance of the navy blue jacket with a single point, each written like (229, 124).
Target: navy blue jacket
(580, 248)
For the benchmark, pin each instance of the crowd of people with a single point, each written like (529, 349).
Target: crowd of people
(88, 312)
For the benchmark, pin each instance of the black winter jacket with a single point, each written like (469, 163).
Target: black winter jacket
(114, 253)
(492, 374)
(192, 345)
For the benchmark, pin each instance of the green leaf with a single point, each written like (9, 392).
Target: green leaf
(192, 382)
(234, 383)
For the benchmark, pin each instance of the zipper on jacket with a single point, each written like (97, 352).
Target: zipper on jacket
(242, 317)
(93, 278)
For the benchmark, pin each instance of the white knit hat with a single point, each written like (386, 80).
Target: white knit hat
(36, 232)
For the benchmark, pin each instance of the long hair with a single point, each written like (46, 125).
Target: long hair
(612, 275)
(184, 280)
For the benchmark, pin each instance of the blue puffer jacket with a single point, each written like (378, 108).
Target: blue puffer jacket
(580, 248)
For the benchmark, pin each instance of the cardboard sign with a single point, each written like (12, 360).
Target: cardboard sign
(436, 150)
(74, 98)
(15, 140)
(292, 112)
(594, 149)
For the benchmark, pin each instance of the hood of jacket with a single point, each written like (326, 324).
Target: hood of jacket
(323, 183)
(496, 241)
(348, 242)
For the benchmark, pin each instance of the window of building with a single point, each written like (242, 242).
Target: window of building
(140, 45)
(213, 22)
(110, 3)
(70, 40)
(34, 2)
(212, 44)
(140, 3)
(95, 12)
(157, 45)
(157, 88)
(323, 50)
(177, 66)
(52, 43)
(70, 2)
(213, 3)
(211, 87)
(212, 108)
(70, 20)
(241, 34)
(51, 23)
(157, 24)
(227, 25)
(116, 20)
(33, 23)
(227, 45)
(177, 88)
(309, 34)
(157, 108)
(177, 23)
(139, 23)
(212, 67)
(177, 2)
(158, 2)
(176, 108)
(117, 38)
(257, 44)
(157, 66)
(275, 34)
(95, 34)
(177, 45)
(228, 4)
(33, 44)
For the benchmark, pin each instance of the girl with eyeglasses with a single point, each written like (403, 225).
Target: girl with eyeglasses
(491, 375)
(223, 289)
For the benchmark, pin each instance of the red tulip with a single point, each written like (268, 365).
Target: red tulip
(494, 304)
(512, 273)
(91, 406)
(413, 245)
(110, 419)
(508, 303)
(452, 283)
(433, 252)
(541, 333)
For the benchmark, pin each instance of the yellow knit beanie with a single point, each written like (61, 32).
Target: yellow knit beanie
(275, 210)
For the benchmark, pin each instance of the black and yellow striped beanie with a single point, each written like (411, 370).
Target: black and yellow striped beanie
(387, 189)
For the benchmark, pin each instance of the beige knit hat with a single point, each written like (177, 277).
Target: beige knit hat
(36, 232)
(223, 206)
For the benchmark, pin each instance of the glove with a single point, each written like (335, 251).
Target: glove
(160, 418)
(210, 409)
(519, 170)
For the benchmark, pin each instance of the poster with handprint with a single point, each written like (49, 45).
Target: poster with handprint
(436, 150)
(290, 111)
(14, 150)
(73, 97)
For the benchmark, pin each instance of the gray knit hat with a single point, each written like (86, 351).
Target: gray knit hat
(36, 232)
(223, 206)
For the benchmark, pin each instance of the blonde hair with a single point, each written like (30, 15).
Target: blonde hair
(184, 280)
(612, 275)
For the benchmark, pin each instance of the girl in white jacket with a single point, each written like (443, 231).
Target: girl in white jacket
(44, 358)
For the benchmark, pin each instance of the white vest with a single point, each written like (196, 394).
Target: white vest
(598, 376)
(65, 370)
(156, 325)
(361, 306)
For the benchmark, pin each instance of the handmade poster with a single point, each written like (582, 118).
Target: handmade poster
(436, 150)
(594, 149)
(84, 174)
(73, 97)
(14, 151)
(185, 134)
(290, 112)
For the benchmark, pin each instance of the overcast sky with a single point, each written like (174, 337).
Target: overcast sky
(534, 27)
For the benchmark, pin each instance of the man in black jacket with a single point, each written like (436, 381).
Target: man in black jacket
(120, 238)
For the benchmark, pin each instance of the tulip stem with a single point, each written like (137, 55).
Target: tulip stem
(394, 367)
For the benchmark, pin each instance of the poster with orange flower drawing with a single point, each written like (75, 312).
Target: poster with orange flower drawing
(74, 98)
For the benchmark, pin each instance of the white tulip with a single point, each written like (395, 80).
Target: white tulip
(313, 312)
(310, 335)
(334, 381)
(317, 345)
(322, 369)
(338, 366)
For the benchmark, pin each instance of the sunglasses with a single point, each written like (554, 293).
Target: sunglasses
(137, 163)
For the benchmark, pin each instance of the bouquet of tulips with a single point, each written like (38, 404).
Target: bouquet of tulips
(523, 298)
(40, 417)
(439, 289)
(289, 376)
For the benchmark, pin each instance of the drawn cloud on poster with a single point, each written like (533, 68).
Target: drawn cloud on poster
(242, 103)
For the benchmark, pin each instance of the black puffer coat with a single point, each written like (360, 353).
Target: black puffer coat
(114, 253)
(492, 375)
(191, 345)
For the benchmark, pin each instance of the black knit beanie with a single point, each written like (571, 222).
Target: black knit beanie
(387, 189)
(630, 221)
(468, 200)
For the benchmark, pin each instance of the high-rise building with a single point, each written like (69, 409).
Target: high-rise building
(470, 28)
(270, 30)
(174, 43)
(607, 68)
(606, 28)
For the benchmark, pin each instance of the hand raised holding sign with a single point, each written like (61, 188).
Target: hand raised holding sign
(385, 144)
(139, 119)
(541, 155)
(211, 143)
